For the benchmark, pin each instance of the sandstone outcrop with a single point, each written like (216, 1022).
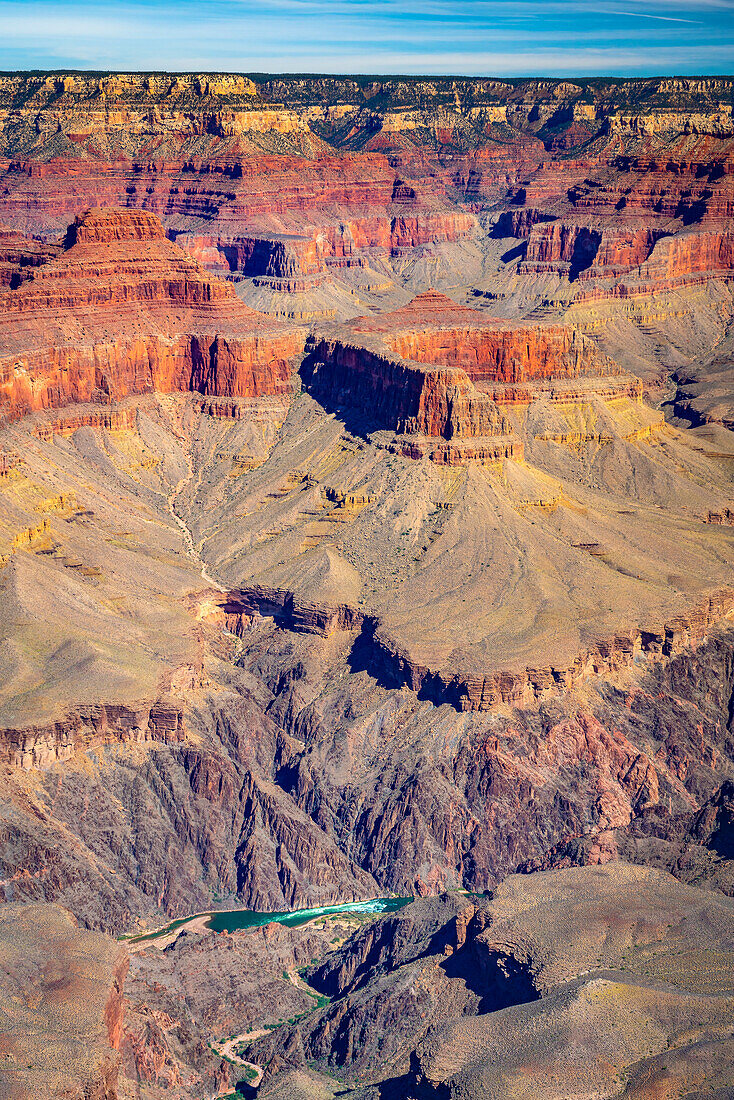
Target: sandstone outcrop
(438, 369)
(19, 255)
(123, 311)
(401, 396)
(654, 257)
(586, 252)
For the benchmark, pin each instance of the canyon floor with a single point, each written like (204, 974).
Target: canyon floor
(366, 530)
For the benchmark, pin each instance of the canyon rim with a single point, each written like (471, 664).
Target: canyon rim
(366, 586)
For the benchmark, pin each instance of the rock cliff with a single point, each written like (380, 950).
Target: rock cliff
(438, 369)
(439, 1000)
(122, 311)
(88, 728)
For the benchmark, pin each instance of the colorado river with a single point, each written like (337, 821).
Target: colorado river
(232, 920)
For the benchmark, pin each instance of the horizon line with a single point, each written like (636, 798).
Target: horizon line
(301, 75)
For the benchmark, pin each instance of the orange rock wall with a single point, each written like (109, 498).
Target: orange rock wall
(560, 246)
(677, 185)
(517, 354)
(253, 191)
(649, 253)
(398, 395)
(213, 365)
(702, 251)
(123, 311)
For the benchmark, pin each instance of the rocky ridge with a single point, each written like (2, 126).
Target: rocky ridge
(457, 997)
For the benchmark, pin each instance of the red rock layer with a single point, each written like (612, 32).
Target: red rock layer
(689, 180)
(286, 256)
(494, 173)
(210, 364)
(397, 395)
(654, 255)
(686, 260)
(113, 259)
(710, 250)
(414, 370)
(122, 311)
(260, 192)
(434, 329)
(651, 149)
(18, 256)
(502, 353)
(519, 223)
(587, 251)
(100, 226)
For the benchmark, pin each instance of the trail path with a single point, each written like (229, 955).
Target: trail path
(180, 523)
(295, 979)
(227, 1049)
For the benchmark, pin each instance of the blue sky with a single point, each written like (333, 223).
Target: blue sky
(473, 37)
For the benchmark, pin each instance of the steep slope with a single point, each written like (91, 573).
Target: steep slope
(61, 996)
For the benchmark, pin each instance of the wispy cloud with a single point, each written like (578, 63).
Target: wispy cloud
(649, 15)
(507, 37)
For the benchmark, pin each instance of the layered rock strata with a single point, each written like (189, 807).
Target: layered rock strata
(437, 369)
(290, 256)
(123, 311)
(290, 175)
(653, 256)
(89, 728)
(392, 664)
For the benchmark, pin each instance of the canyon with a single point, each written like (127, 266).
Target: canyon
(366, 529)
